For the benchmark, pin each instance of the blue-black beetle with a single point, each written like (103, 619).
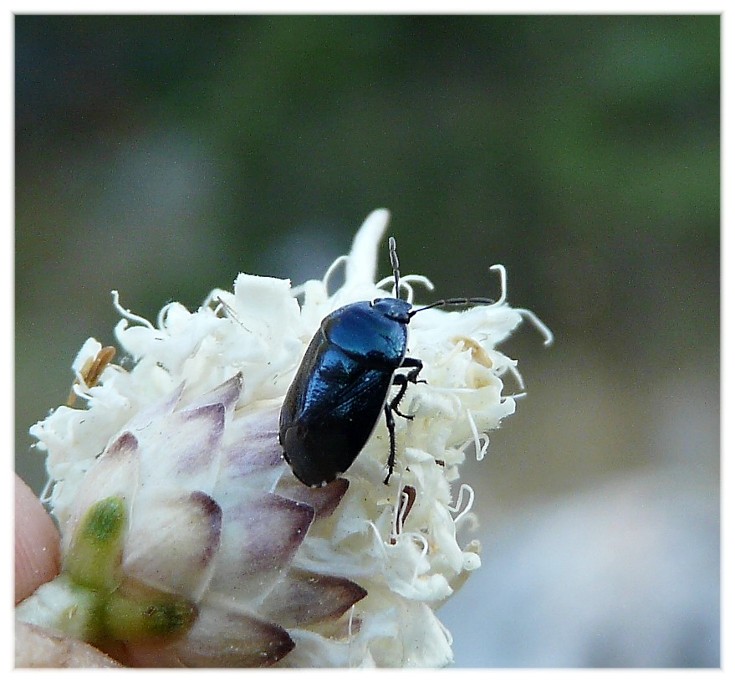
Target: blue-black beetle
(342, 384)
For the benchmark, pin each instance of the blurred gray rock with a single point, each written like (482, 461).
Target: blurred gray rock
(622, 575)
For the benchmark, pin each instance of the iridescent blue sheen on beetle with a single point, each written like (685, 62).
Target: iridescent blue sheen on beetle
(342, 384)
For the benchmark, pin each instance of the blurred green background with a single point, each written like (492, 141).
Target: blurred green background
(161, 155)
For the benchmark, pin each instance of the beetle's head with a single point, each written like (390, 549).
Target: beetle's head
(393, 308)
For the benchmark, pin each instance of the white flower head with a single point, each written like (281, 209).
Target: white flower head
(186, 538)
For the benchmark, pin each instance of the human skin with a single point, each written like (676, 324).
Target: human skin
(36, 543)
(37, 560)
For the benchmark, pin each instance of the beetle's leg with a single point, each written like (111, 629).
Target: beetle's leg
(391, 407)
(416, 366)
(392, 435)
(402, 380)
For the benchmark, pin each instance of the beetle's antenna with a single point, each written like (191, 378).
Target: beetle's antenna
(394, 264)
(452, 301)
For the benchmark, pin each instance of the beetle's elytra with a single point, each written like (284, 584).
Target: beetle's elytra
(342, 385)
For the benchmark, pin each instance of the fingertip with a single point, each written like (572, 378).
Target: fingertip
(37, 556)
